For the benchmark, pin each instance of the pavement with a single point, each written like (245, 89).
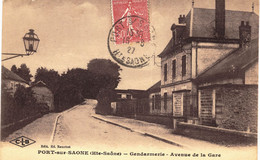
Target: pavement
(164, 134)
(39, 130)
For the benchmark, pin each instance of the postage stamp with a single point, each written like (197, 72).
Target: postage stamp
(131, 38)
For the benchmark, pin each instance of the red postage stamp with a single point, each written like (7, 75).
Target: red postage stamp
(131, 38)
(133, 20)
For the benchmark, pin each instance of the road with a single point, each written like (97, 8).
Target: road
(78, 128)
(79, 131)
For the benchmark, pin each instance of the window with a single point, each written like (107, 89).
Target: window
(153, 102)
(158, 101)
(165, 72)
(128, 96)
(118, 96)
(183, 65)
(173, 69)
(165, 100)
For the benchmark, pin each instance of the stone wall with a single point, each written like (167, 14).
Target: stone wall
(206, 101)
(216, 135)
(44, 95)
(239, 107)
(229, 106)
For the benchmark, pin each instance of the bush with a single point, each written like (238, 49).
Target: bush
(104, 98)
(68, 96)
(21, 106)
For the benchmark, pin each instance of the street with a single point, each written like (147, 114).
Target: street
(78, 128)
(77, 132)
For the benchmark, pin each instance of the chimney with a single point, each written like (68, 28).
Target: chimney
(244, 34)
(220, 18)
(182, 19)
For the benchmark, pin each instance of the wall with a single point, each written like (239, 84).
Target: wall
(206, 106)
(185, 86)
(216, 135)
(178, 58)
(230, 106)
(251, 74)
(157, 107)
(11, 85)
(209, 53)
(44, 95)
(124, 95)
(239, 109)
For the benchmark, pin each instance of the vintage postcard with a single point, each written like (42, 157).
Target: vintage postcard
(129, 79)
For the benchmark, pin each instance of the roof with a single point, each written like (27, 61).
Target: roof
(203, 25)
(232, 65)
(7, 74)
(39, 84)
(155, 88)
(134, 92)
(129, 91)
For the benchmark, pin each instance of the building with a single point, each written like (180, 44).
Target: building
(154, 93)
(11, 81)
(43, 95)
(200, 40)
(130, 101)
(130, 94)
(227, 91)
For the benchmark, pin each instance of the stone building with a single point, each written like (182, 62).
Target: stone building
(200, 40)
(154, 93)
(10, 81)
(43, 95)
(227, 91)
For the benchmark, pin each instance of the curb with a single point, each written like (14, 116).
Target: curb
(56, 122)
(143, 133)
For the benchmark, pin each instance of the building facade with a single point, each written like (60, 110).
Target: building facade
(43, 95)
(201, 39)
(11, 81)
(227, 91)
(154, 93)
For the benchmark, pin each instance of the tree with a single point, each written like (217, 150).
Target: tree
(73, 86)
(24, 96)
(106, 76)
(106, 72)
(25, 103)
(23, 72)
(14, 69)
(104, 98)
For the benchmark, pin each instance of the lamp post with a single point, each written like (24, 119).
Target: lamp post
(31, 42)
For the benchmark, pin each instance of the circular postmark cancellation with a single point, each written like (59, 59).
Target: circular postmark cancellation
(131, 41)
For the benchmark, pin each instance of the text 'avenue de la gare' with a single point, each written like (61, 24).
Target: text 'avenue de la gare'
(111, 153)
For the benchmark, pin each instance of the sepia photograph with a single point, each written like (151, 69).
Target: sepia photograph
(129, 79)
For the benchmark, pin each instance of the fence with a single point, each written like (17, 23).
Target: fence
(132, 106)
(177, 105)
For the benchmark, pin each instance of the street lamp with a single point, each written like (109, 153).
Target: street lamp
(31, 42)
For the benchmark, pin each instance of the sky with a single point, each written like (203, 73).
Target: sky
(72, 32)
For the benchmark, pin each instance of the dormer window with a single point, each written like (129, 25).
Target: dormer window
(177, 33)
(174, 39)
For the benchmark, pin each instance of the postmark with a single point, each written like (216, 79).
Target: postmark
(131, 38)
